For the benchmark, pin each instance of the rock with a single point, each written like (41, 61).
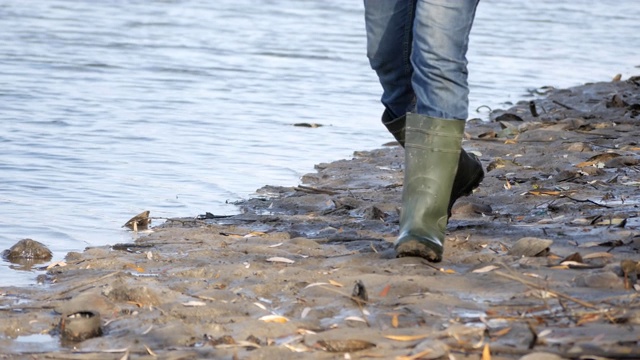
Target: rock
(28, 249)
(602, 280)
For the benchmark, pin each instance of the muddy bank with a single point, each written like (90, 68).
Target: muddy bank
(541, 258)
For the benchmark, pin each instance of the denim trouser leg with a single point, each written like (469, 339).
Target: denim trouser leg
(435, 36)
(440, 42)
(389, 26)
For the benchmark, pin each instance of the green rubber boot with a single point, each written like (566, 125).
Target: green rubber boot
(470, 172)
(432, 151)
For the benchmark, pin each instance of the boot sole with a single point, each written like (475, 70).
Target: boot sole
(415, 248)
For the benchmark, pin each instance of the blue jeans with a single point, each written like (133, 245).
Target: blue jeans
(418, 50)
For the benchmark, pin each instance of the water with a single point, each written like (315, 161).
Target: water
(109, 108)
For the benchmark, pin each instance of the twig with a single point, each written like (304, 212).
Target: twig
(563, 105)
(587, 201)
(314, 190)
(536, 286)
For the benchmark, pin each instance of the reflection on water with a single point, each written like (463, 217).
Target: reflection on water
(109, 109)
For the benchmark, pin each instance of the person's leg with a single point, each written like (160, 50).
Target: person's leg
(389, 25)
(434, 133)
(440, 42)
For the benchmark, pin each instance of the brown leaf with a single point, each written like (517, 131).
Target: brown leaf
(573, 257)
(345, 345)
(540, 192)
(335, 283)
(501, 332)
(274, 319)
(394, 320)
(601, 158)
(385, 291)
(486, 352)
(140, 221)
(588, 318)
(407, 337)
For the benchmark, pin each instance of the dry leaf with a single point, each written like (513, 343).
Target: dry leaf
(407, 337)
(501, 332)
(193, 303)
(486, 352)
(598, 159)
(541, 192)
(274, 319)
(335, 283)
(280, 260)
(149, 351)
(276, 245)
(355, 318)
(316, 284)
(254, 233)
(134, 267)
(260, 305)
(612, 222)
(305, 312)
(394, 320)
(485, 269)
(448, 271)
(344, 345)
(588, 318)
(598, 255)
(385, 291)
(57, 263)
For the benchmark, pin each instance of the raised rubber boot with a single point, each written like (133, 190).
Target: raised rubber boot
(469, 174)
(432, 151)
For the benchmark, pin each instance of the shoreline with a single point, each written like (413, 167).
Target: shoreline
(276, 280)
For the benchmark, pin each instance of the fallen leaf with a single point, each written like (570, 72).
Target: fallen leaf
(57, 263)
(598, 255)
(573, 257)
(260, 305)
(193, 303)
(305, 312)
(485, 269)
(407, 337)
(541, 192)
(394, 320)
(486, 352)
(280, 260)
(385, 291)
(415, 356)
(335, 283)
(149, 351)
(134, 267)
(588, 318)
(253, 233)
(274, 319)
(595, 160)
(612, 222)
(588, 244)
(276, 245)
(355, 318)
(316, 284)
(501, 332)
(344, 345)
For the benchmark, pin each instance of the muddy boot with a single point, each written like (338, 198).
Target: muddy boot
(470, 172)
(432, 151)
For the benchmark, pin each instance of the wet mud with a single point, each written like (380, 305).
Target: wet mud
(541, 259)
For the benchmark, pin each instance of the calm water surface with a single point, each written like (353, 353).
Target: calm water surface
(109, 108)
